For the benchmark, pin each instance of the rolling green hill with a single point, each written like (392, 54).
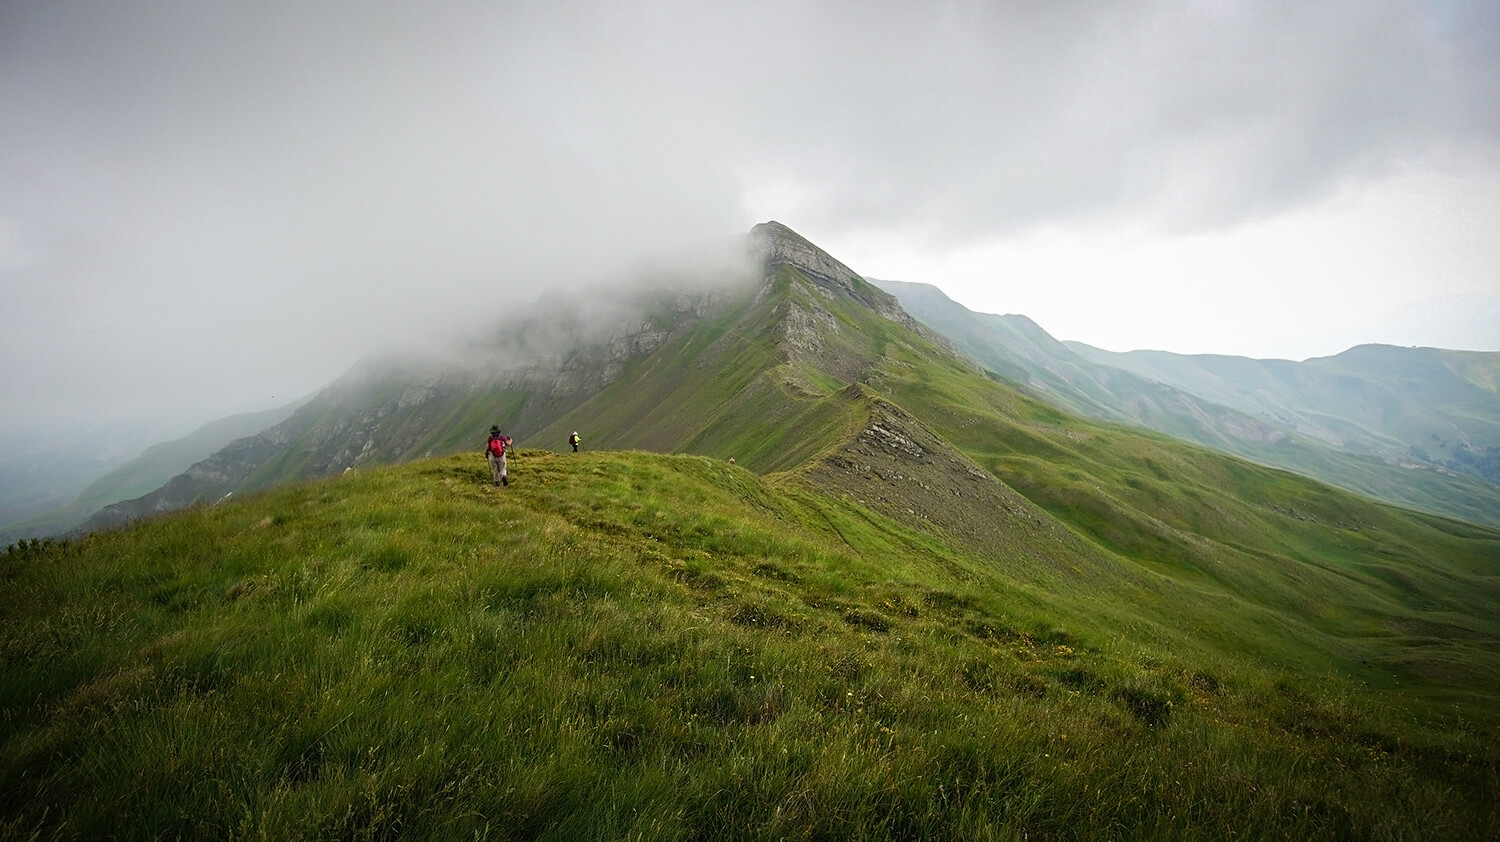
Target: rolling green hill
(922, 604)
(630, 645)
(1415, 427)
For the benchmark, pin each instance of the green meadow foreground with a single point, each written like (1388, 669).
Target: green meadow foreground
(628, 645)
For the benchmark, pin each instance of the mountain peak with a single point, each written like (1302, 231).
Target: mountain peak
(777, 245)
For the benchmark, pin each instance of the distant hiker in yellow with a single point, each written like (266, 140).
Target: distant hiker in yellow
(573, 440)
(495, 450)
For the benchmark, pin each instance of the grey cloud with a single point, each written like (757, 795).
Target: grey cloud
(1194, 114)
(205, 204)
(226, 198)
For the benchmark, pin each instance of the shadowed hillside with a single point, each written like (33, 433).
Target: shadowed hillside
(147, 472)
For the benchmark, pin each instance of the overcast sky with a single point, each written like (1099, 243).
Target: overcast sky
(211, 207)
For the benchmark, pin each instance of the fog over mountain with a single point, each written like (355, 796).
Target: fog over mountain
(216, 208)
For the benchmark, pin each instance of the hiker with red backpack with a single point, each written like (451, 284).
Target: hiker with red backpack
(495, 450)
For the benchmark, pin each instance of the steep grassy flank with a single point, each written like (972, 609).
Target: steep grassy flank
(668, 396)
(1332, 580)
(626, 645)
(761, 383)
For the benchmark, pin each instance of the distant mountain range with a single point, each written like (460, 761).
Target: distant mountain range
(1419, 427)
(78, 494)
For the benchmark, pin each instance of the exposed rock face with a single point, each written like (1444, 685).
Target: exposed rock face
(900, 468)
(803, 328)
(778, 244)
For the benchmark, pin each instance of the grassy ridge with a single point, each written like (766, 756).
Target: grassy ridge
(625, 645)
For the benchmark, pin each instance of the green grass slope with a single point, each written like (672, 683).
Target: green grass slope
(629, 645)
(1345, 577)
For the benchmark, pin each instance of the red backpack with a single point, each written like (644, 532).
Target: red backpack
(497, 445)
